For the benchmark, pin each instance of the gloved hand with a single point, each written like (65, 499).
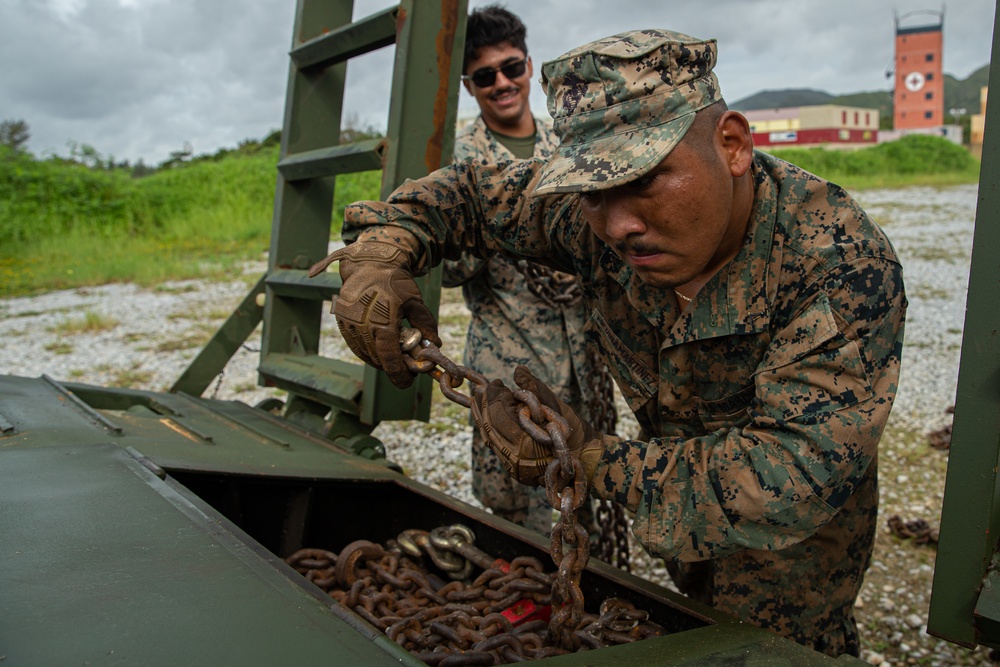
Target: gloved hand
(525, 459)
(378, 292)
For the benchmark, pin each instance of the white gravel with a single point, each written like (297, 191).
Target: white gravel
(150, 335)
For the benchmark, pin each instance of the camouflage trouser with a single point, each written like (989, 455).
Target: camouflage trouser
(805, 592)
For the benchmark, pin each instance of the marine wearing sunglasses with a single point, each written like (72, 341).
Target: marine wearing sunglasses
(499, 77)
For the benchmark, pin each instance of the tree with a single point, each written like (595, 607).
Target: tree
(352, 130)
(14, 134)
(178, 157)
(89, 156)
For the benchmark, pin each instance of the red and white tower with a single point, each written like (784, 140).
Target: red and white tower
(918, 99)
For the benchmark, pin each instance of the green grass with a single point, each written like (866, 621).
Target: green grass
(65, 225)
(188, 342)
(913, 160)
(59, 348)
(91, 322)
(130, 378)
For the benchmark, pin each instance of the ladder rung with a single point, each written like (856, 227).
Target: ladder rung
(344, 159)
(354, 39)
(297, 284)
(328, 381)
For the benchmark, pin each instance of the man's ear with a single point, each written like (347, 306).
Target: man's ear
(468, 87)
(737, 141)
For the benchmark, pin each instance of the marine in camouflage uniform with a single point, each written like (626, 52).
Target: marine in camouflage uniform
(512, 324)
(764, 398)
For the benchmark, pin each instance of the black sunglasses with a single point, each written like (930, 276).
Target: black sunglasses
(487, 76)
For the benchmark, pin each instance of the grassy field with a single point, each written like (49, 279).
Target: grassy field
(63, 224)
(66, 225)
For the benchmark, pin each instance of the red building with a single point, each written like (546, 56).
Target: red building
(829, 125)
(918, 98)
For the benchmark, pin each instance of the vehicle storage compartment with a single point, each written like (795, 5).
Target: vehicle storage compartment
(162, 532)
(285, 515)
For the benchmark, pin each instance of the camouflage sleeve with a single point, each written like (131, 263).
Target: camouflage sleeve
(455, 273)
(821, 396)
(468, 208)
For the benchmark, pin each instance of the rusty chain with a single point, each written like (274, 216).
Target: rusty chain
(565, 482)
(512, 611)
(612, 540)
(563, 289)
(496, 618)
(552, 287)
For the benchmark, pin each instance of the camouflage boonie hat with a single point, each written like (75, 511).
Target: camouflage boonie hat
(621, 104)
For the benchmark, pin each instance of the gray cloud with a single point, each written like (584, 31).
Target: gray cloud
(140, 78)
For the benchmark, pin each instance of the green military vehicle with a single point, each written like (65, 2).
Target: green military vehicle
(168, 528)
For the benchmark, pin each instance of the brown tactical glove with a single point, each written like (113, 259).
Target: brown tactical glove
(377, 293)
(525, 459)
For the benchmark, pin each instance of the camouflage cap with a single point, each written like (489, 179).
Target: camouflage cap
(621, 104)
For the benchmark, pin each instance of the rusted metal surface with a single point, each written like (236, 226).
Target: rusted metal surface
(941, 438)
(918, 530)
(444, 95)
(504, 614)
(565, 484)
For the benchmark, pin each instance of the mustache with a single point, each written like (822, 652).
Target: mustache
(636, 248)
(501, 91)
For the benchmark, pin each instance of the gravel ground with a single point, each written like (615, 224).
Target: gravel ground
(126, 336)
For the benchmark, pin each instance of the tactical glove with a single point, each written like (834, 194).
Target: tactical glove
(525, 459)
(378, 292)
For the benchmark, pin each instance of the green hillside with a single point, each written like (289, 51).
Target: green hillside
(776, 99)
(193, 219)
(964, 94)
(86, 221)
(958, 93)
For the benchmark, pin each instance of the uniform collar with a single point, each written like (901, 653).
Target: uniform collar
(482, 135)
(734, 301)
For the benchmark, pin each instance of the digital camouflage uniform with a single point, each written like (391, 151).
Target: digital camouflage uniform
(764, 400)
(512, 325)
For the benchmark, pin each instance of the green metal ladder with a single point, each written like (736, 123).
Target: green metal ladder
(339, 399)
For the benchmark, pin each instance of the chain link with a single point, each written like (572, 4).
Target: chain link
(553, 287)
(612, 540)
(498, 617)
(565, 481)
(563, 289)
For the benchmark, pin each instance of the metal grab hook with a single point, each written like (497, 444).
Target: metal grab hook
(460, 539)
(502, 616)
(415, 543)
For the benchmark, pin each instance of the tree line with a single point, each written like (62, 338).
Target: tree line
(15, 134)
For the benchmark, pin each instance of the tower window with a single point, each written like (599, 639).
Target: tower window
(929, 57)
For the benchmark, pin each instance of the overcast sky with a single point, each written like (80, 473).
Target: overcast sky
(140, 78)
